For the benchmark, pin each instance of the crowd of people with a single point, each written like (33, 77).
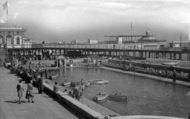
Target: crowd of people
(77, 89)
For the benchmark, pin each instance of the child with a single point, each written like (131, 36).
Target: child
(20, 90)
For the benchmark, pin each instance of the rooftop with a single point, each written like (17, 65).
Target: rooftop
(11, 28)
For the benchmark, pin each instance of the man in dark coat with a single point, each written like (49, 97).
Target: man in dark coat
(40, 85)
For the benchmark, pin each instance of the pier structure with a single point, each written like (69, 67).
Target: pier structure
(45, 52)
(16, 45)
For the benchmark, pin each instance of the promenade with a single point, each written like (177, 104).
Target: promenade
(44, 107)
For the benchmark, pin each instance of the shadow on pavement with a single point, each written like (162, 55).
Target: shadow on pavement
(14, 101)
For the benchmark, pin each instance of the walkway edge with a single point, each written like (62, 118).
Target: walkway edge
(75, 105)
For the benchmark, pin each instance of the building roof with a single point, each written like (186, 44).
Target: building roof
(12, 28)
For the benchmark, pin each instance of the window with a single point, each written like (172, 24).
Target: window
(17, 40)
(1, 39)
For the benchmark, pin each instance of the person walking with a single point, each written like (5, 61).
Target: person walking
(29, 92)
(55, 90)
(20, 90)
(40, 85)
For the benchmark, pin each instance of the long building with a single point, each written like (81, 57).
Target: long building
(15, 42)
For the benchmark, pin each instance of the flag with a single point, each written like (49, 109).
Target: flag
(3, 11)
(5, 7)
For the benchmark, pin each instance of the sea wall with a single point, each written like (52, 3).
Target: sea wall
(74, 105)
(178, 82)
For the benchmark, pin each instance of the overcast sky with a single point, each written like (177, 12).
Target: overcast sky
(57, 20)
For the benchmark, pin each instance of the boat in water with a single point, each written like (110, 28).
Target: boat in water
(99, 82)
(101, 97)
(66, 84)
(53, 77)
(86, 83)
(118, 97)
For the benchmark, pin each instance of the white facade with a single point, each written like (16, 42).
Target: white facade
(12, 37)
(26, 43)
(92, 41)
(120, 40)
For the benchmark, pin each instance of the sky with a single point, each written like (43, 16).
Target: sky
(66, 20)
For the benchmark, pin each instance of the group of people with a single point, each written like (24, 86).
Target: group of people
(37, 82)
(29, 92)
(77, 89)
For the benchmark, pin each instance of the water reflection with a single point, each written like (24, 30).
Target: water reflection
(145, 96)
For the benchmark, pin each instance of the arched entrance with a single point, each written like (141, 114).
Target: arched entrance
(17, 40)
(9, 41)
(61, 61)
(1, 41)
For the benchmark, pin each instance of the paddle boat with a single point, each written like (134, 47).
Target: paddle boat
(86, 83)
(53, 77)
(66, 84)
(99, 82)
(118, 97)
(101, 97)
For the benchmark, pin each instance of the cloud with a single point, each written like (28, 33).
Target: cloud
(66, 15)
(15, 15)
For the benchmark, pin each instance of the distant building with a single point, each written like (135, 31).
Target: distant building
(74, 42)
(77, 42)
(13, 37)
(180, 44)
(146, 41)
(92, 41)
(26, 43)
(120, 40)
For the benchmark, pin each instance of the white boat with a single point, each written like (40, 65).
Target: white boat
(66, 84)
(100, 82)
(87, 84)
(101, 97)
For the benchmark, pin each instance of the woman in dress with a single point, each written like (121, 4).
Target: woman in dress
(29, 92)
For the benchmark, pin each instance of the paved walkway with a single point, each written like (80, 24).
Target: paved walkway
(43, 108)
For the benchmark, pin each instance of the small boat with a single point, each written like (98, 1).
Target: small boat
(87, 84)
(66, 84)
(53, 77)
(101, 97)
(99, 82)
(118, 97)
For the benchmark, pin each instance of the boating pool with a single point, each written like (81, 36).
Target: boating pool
(145, 96)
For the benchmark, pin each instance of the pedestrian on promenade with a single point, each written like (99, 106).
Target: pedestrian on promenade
(20, 90)
(40, 85)
(29, 92)
(174, 76)
(55, 90)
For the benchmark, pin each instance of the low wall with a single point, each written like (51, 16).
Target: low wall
(183, 83)
(76, 106)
